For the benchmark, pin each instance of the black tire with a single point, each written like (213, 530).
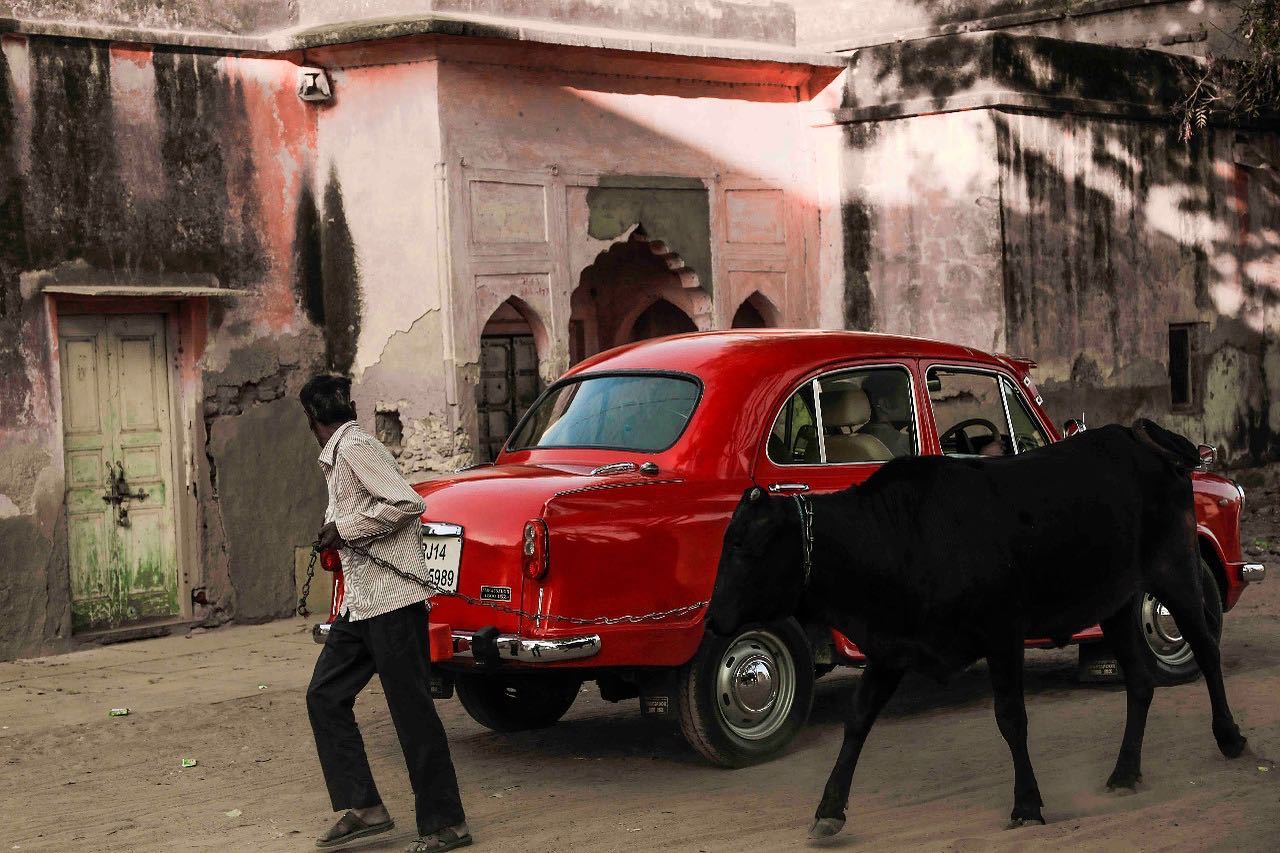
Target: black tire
(1167, 655)
(516, 703)
(742, 699)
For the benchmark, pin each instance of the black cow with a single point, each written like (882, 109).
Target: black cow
(936, 562)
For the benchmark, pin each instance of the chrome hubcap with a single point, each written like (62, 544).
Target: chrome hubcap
(1162, 634)
(755, 685)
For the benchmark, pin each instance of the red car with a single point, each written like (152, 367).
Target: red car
(586, 551)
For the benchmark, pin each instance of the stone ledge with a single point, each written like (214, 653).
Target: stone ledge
(965, 72)
(443, 24)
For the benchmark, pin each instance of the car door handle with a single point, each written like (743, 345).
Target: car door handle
(788, 487)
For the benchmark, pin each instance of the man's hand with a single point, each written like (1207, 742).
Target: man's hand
(329, 537)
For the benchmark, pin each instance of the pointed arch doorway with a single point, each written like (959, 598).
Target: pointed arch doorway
(509, 380)
(634, 290)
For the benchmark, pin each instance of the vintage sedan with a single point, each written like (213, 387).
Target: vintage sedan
(587, 550)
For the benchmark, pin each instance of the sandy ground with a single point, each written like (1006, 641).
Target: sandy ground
(935, 775)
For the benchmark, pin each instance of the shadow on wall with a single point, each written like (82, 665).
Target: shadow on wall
(1111, 235)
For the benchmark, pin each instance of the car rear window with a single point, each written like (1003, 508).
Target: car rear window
(642, 413)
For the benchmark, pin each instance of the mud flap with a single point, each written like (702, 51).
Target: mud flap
(1097, 665)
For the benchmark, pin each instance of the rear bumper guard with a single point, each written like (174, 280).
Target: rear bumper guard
(527, 650)
(1253, 572)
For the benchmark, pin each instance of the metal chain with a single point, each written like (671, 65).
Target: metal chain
(806, 533)
(306, 586)
(655, 616)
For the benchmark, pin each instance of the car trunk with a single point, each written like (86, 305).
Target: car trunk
(492, 505)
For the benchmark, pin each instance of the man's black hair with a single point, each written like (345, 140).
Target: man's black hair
(327, 399)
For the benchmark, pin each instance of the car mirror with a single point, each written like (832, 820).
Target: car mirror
(1208, 455)
(1071, 427)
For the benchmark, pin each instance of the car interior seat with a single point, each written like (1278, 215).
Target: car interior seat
(844, 412)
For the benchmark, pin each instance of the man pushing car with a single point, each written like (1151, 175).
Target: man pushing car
(382, 628)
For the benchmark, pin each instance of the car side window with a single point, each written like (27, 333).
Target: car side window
(969, 412)
(1027, 434)
(794, 438)
(864, 415)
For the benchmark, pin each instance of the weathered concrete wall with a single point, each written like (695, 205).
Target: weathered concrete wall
(1191, 27)
(130, 166)
(379, 150)
(1113, 230)
(224, 16)
(1041, 210)
(921, 229)
(738, 20)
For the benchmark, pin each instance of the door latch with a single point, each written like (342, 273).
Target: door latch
(118, 494)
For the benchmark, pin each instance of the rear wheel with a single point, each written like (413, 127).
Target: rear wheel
(513, 703)
(1168, 654)
(743, 698)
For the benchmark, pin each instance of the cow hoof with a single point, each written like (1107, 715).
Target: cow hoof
(1124, 783)
(1231, 742)
(825, 827)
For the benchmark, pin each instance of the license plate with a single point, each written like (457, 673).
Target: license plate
(442, 546)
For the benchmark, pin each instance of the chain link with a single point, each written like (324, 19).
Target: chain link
(306, 586)
(655, 616)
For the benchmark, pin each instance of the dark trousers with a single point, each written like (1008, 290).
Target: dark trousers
(395, 646)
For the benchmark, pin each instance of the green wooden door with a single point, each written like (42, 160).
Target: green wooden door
(118, 445)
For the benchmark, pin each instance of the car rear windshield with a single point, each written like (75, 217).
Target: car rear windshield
(641, 413)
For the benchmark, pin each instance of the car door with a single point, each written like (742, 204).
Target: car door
(839, 426)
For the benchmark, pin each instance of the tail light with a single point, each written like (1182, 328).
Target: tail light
(330, 561)
(537, 558)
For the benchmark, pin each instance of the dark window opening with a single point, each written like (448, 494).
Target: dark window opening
(1184, 367)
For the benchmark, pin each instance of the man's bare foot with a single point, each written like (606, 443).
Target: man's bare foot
(373, 814)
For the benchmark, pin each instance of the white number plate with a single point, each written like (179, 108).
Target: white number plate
(442, 545)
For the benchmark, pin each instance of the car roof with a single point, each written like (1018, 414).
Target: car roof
(750, 350)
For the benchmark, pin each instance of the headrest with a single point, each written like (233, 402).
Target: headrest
(846, 407)
(888, 392)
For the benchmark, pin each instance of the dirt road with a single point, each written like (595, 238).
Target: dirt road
(935, 774)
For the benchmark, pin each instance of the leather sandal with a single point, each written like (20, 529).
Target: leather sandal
(449, 838)
(350, 827)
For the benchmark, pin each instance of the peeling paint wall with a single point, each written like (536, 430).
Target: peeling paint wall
(124, 165)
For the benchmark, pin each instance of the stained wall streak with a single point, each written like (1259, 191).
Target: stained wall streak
(342, 306)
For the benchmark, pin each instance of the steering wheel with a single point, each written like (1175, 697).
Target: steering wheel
(963, 443)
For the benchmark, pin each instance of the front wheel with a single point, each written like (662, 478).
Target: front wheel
(514, 703)
(743, 698)
(1168, 655)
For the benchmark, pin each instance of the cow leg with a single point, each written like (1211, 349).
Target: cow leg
(1186, 603)
(877, 685)
(1122, 634)
(1011, 716)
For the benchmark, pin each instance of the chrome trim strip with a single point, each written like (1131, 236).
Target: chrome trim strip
(514, 647)
(614, 468)
(1253, 572)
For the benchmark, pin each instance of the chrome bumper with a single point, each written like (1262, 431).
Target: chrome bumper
(320, 632)
(515, 647)
(1253, 572)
